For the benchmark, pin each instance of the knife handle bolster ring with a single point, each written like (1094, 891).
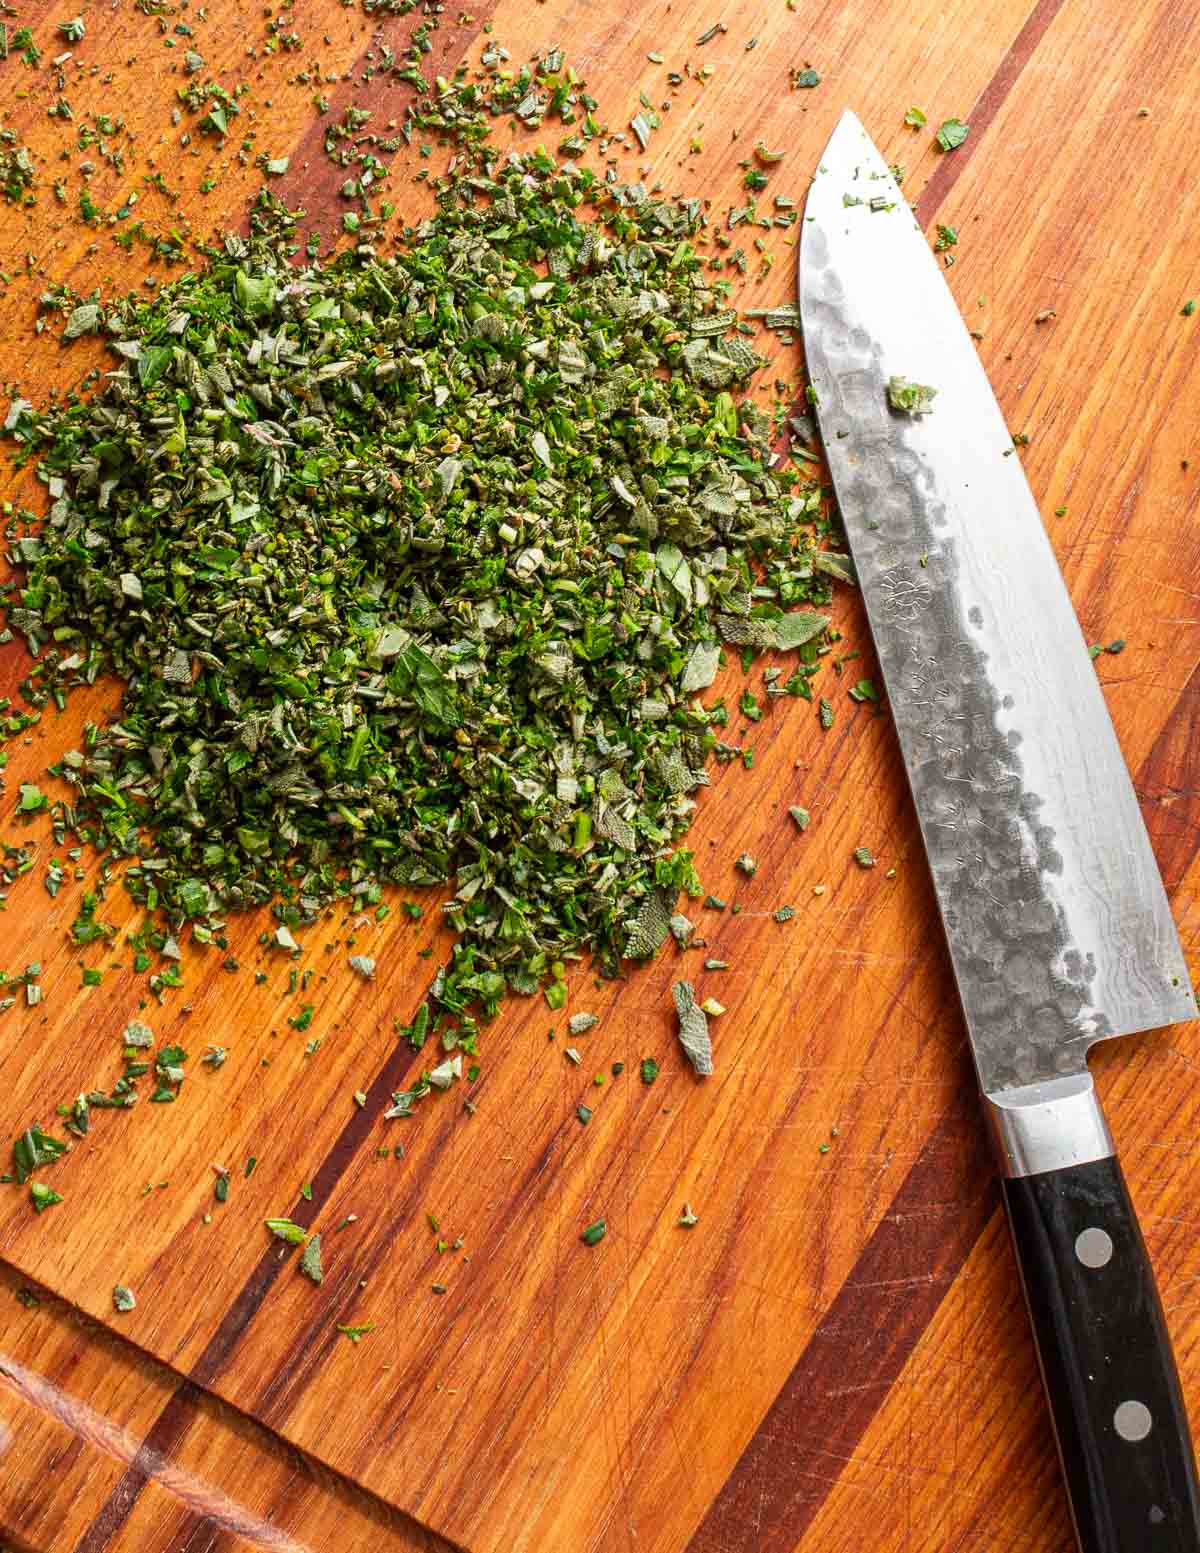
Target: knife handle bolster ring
(1047, 1126)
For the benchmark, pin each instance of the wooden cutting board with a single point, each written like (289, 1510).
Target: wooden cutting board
(834, 1357)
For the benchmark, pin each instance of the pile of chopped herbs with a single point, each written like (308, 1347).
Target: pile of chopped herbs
(414, 565)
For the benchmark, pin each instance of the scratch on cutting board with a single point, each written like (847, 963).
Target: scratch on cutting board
(199, 1497)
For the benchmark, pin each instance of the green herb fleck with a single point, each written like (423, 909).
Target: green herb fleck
(911, 398)
(952, 134)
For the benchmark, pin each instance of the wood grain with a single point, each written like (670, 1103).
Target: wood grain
(782, 1375)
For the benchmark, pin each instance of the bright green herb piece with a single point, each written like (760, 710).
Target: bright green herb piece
(952, 134)
(123, 1297)
(32, 799)
(33, 1149)
(864, 857)
(912, 398)
(594, 1233)
(42, 1196)
(916, 118)
(286, 1230)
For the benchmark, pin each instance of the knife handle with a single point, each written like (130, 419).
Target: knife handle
(1106, 1360)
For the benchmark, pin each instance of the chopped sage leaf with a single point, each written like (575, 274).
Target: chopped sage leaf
(693, 1027)
(310, 1260)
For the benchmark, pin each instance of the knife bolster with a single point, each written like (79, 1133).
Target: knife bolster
(1048, 1126)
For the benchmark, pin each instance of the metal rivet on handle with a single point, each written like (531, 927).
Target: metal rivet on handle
(1094, 1247)
(1133, 1421)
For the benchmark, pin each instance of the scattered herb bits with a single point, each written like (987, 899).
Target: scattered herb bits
(594, 1233)
(432, 532)
(123, 1297)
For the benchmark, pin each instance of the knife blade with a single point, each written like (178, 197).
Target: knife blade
(1058, 925)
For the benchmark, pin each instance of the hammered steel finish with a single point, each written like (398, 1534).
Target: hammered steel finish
(1053, 905)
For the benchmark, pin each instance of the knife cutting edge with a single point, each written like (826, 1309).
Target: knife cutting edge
(1055, 913)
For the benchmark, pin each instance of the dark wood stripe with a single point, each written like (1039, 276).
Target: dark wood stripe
(857, 1353)
(164, 1434)
(794, 1458)
(952, 164)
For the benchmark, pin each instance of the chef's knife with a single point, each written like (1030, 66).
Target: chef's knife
(1054, 909)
